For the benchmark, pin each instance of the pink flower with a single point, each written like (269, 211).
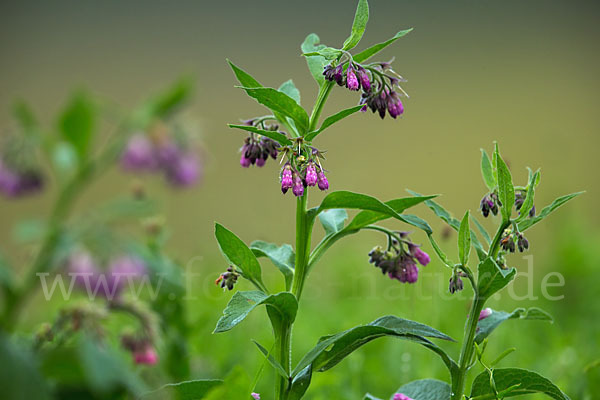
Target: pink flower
(486, 312)
(287, 181)
(420, 255)
(298, 188)
(351, 80)
(400, 396)
(322, 181)
(311, 175)
(255, 396)
(147, 355)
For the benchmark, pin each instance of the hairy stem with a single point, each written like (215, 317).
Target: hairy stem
(318, 108)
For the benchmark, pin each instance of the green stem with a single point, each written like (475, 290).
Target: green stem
(318, 108)
(303, 235)
(283, 345)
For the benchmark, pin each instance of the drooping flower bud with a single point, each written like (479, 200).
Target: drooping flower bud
(365, 82)
(139, 154)
(456, 284)
(311, 174)
(351, 80)
(146, 355)
(185, 170)
(322, 181)
(287, 181)
(422, 257)
(486, 312)
(522, 243)
(228, 279)
(338, 75)
(298, 188)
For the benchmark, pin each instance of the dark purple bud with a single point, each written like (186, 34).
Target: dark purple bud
(365, 82)
(456, 284)
(532, 212)
(351, 80)
(329, 72)
(338, 75)
(287, 181)
(139, 154)
(185, 170)
(322, 181)
(311, 174)
(261, 161)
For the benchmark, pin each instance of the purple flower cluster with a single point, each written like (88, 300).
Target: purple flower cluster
(88, 275)
(228, 279)
(490, 202)
(512, 241)
(400, 260)
(380, 85)
(19, 182)
(256, 151)
(520, 199)
(144, 153)
(305, 174)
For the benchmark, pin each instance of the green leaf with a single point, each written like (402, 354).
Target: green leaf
(528, 382)
(280, 103)
(426, 389)
(464, 240)
(492, 278)
(290, 89)
(283, 257)
(369, 396)
(367, 217)
(242, 303)
(371, 51)
(334, 348)
(482, 230)
(167, 103)
(333, 220)
(329, 53)
(20, 378)
(345, 199)
(238, 254)
(76, 123)
(187, 390)
(236, 386)
(277, 136)
(300, 384)
(332, 120)
(442, 213)
(317, 64)
(506, 190)
(487, 171)
(440, 253)
(274, 363)
(528, 223)
(358, 26)
(487, 325)
(530, 195)
(243, 77)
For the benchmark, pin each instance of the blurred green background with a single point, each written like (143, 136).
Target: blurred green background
(522, 73)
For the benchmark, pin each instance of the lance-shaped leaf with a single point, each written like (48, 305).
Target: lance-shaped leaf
(426, 389)
(528, 223)
(464, 240)
(77, 123)
(316, 64)
(238, 254)
(243, 77)
(300, 384)
(528, 382)
(482, 230)
(187, 390)
(492, 278)
(487, 171)
(332, 349)
(274, 363)
(487, 325)
(358, 26)
(345, 199)
(282, 256)
(333, 220)
(277, 136)
(290, 89)
(440, 253)
(329, 53)
(371, 51)
(332, 120)
(442, 213)
(280, 103)
(506, 190)
(242, 303)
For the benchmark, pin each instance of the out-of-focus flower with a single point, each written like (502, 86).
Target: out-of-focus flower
(400, 396)
(486, 312)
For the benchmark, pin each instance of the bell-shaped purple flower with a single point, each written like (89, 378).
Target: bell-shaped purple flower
(139, 154)
(185, 170)
(298, 188)
(311, 177)
(422, 257)
(287, 181)
(338, 75)
(322, 181)
(365, 82)
(351, 80)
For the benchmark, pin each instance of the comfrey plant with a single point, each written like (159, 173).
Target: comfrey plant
(90, 252)
(289, 133)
